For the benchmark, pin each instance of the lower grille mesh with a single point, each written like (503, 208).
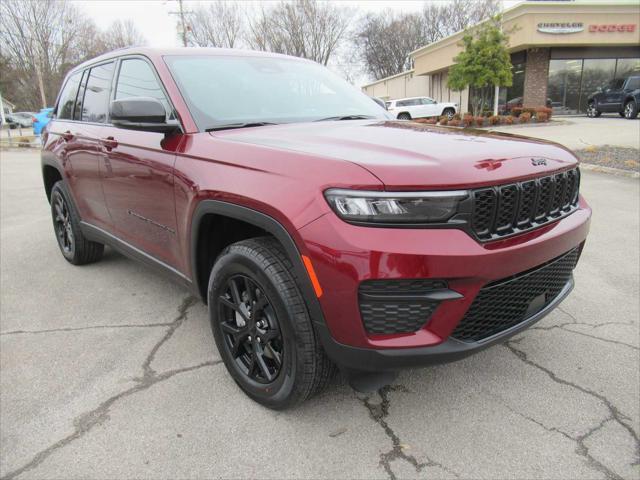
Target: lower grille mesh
(394, 306)
(505, 303)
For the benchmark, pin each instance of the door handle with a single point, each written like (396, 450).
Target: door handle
(67, 136)
(109, 143)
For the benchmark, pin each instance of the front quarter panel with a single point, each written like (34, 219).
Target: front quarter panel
(286, 186)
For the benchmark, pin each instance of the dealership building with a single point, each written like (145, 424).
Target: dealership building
(560, 53)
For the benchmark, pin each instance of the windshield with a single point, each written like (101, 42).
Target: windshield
(222, 90)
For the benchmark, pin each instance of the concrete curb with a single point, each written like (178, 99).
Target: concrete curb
(610, 170)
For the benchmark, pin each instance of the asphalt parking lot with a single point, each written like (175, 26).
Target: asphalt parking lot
(110, 371)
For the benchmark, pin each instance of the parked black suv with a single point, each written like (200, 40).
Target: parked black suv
(620, 95)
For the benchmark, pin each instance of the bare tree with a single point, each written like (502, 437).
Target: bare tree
(460, 14)
(218, 24)
(40, 40)
(122, 34)
(385, 40)
(303, 28)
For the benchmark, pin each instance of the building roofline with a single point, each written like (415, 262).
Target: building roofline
(388, 78)
(508, 13)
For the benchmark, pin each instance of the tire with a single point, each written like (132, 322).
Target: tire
(592, 110)
(449, 112)
(630, 110)
(75, 248)
(404, 116)
(263, 330)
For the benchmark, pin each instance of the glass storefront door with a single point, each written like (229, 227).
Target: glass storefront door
(595, 74)
(564, 86)
(572, 81)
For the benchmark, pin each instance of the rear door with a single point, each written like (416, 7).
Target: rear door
(138, 171)
(81, 116)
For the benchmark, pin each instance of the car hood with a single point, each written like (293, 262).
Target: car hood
(408, 155)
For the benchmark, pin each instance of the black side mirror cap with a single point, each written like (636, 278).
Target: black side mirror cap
(141, 113)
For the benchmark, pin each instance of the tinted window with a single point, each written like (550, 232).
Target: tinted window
(412, 102)
(136, 79)
(68, 96)
(427, 101)
(77, 112)
(634, 83)
(617, 84)
(96, 96)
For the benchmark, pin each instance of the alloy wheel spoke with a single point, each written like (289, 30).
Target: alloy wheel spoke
(249, 289)
(275, 355)
(259, 354)
(235, 293)
(225, 301)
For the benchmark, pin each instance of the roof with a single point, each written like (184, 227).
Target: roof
(408, 98)
(387, 78)
(184, 51)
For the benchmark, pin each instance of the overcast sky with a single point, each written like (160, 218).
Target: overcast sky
(154, 20)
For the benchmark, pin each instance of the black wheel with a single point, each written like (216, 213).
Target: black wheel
(592, 110)
(66, 224)
(630, 110)
(262, 327)
(404, 116)
(449, 113)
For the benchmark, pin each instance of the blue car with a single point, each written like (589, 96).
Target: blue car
(41, 119)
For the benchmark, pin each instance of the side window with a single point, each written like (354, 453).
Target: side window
(634, 83)
(413, 102)
(427, 101)
(68, 97)
(136, 79)
(401, 104)
(96, 96)
(77, 112)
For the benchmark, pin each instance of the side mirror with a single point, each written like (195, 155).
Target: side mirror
(141, 113)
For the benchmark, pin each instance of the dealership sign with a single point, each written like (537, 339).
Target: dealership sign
(560, 27)
(608, 28)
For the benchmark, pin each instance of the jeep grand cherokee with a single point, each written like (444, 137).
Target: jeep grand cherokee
(320, 231)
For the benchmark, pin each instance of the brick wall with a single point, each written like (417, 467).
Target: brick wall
(536, 77)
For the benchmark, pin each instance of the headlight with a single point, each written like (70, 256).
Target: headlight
(394, 207)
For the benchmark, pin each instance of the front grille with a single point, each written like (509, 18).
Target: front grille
(509, 209)
(395, 306)
(505, 303)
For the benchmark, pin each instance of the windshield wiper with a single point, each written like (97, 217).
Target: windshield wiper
(227, 126)
(345, 117)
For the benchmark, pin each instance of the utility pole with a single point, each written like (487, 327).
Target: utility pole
(183, 23)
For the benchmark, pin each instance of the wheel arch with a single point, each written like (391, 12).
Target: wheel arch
(252, 219)
(50, 175)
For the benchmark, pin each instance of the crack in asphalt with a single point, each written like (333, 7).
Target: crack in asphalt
(614, 414)
(581, 447)
(87, 421)
(378, 412)
(562, 326)
(76, 329)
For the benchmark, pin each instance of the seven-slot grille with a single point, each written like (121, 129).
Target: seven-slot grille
(505, 303)
(508, 209)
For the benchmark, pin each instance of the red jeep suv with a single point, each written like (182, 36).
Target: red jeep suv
(319, 231)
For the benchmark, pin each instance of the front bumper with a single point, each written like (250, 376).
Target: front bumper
(345, 255)
(450, 350)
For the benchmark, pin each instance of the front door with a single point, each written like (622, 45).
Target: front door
(613, 96)
(138, 170)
